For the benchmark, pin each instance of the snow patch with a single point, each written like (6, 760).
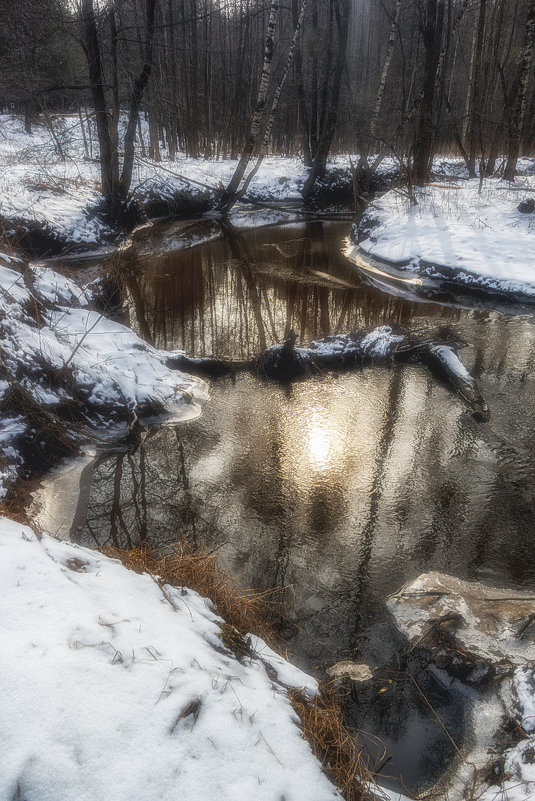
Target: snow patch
(480, 236)
(113, 687)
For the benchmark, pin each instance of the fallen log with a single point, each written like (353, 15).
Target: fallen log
(443, 361)
(382, 345)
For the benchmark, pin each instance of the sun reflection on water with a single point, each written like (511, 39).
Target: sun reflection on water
(322, 443)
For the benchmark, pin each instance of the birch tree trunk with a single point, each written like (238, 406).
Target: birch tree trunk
(275, 104)
(229, 194)
(363, 164)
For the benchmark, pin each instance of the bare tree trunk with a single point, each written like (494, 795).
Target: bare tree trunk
(327, 134)
(115, 107)
(363, 162)
(229, 194)
(476, 129)
(520, 94)
(135, 102)
(109, 164)
(433, 22)
(301, 106)
(82, 129)
(275, 104)
(154, 139)
(469, 87)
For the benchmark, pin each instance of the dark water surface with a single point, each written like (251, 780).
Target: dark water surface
(341, 487)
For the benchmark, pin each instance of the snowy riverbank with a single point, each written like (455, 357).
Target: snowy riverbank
(115, 686)
(457, 234)
(477, 641)
(67, 369)
(49, 186)
(60, 191)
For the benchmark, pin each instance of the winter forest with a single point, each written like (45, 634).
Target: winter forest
(379, 78)
(267, 400)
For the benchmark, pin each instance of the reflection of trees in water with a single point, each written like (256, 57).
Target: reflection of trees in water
(511, 509)
(138, 498)
(418, 483)
(379, 474)
(234, 296)
(410, 493)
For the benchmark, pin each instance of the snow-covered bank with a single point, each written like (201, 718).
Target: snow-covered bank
(61, 192)
(116, 687)
(457, 234)
(64, 364)
(54, 194)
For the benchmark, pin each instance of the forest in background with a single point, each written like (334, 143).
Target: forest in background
(408, 78)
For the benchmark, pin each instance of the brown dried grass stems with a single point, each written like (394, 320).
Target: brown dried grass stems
(323, 724)
(186, 566)
(322, 718)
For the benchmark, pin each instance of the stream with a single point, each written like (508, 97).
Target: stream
(339, 488)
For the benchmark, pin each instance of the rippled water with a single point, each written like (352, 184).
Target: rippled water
(340, 487)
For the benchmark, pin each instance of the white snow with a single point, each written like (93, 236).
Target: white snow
(378, 343)
(57, 288)
(38, 183)
(519, 767)
(482, 236)
(116, 688)
(523, 688)
(449, 358)
(109, 368)
(381, 341)
(287, 674)
(110, 361)
(488, 616)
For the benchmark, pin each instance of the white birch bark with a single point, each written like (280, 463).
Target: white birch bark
(232, 188)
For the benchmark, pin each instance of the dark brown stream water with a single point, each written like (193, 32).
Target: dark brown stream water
(340, 487)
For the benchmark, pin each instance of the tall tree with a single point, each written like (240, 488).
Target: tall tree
(109, 157)
(519, 94)
(431, 26)
(229, 194)
(115, 188)
(135, 101)
(475, 139)
(342, 11)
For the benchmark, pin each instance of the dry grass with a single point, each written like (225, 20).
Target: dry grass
(322, 718)
(40, 185)
(14, 507)
(196, 568)
(322, 721)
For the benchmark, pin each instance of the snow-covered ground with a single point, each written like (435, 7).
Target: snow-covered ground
(115, 687)
(37, 183)
(480, 238)
(76, 364)
(485, 628)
